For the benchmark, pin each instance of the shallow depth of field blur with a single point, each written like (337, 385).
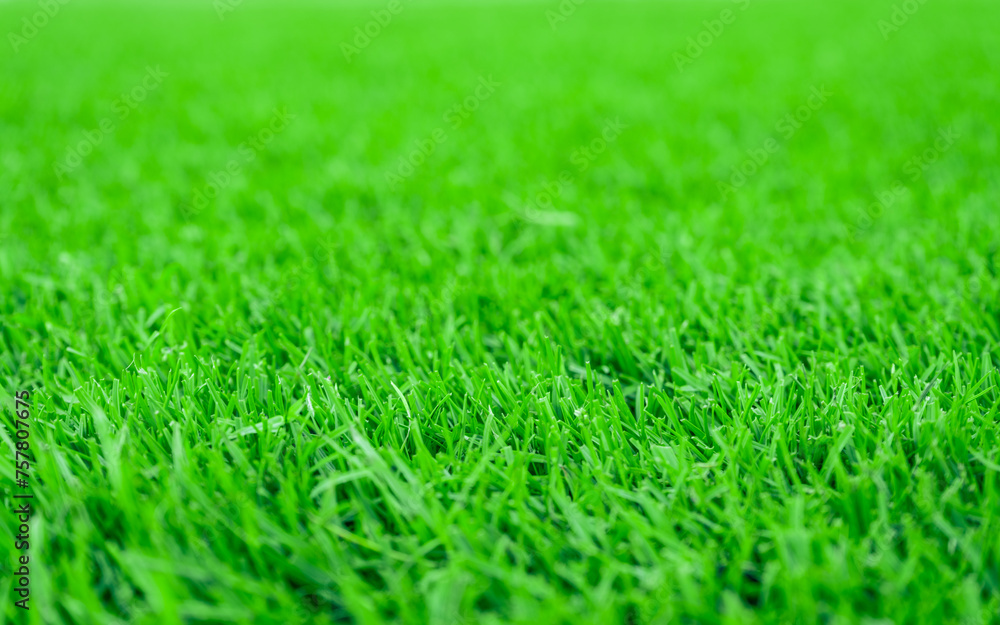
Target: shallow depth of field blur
(503, 312)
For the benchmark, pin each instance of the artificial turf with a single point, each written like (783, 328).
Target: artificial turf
(631, 312)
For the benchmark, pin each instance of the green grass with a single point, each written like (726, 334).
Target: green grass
(328, 395)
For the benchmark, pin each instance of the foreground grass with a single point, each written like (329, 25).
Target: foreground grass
(348, 390)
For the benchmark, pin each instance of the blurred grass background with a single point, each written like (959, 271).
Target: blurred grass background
(753, 323)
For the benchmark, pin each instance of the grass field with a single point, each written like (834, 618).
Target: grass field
(610, 312)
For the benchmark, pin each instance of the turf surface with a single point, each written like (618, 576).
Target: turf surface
(636, 312)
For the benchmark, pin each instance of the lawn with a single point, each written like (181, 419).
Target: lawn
(501, 312)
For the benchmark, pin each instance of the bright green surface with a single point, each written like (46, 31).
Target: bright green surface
(322, 398)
